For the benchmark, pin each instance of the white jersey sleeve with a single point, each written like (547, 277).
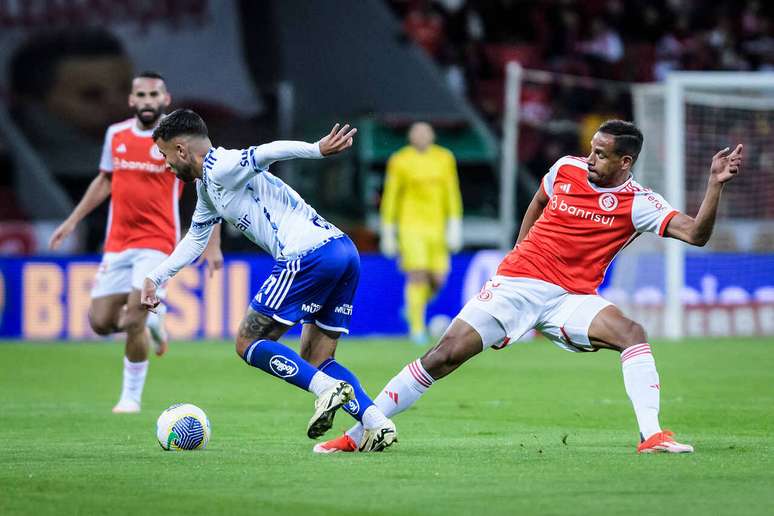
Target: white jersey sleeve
(195, 241)
(227, 168)
(106, 159)
(651, 213)
(231, 168)
(264, 155)
(548, 181)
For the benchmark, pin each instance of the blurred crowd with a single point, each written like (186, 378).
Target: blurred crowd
(627, 40)
(592, 51)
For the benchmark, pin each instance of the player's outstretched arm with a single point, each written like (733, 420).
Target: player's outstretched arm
(338, 140)
(534, 210)
(697, 231)
(186, 252)
(96, 194)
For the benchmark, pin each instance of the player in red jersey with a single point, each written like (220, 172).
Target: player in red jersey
(143, 228)
(584, 213)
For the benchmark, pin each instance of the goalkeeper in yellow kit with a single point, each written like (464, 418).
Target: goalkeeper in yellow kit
(421, 214)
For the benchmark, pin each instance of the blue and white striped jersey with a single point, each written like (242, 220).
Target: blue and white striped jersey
(237, 187)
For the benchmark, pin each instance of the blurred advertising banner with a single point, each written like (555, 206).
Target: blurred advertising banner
(48, 298)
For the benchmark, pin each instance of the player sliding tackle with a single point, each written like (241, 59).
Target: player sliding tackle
(585, 211)
(314, 278)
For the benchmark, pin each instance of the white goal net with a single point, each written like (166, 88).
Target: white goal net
(726, 287)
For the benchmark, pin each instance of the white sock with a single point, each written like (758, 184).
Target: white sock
(373, 417)
(399, 394)
(642, 386)
(321, 382)
(134, 380)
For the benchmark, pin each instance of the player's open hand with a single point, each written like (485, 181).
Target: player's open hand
(59, 235)
(148, 298)
(726, 165)
(338, 140)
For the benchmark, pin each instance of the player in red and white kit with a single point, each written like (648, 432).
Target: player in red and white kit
(584, 213)
(143, 228)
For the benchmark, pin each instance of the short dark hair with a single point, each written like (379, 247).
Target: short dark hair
(180, 122)
(33, 67)
(627, 137)
(150, 74)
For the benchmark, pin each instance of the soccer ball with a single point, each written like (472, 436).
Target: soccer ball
(183, 427)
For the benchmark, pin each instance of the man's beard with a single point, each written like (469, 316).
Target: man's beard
(185, 172)
(148, 117)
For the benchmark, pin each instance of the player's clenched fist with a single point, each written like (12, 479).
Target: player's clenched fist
(148, 297)
(337, 140)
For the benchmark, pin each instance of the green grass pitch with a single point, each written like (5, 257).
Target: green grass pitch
(526, 430)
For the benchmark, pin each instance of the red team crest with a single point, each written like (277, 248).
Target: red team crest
(608, 201)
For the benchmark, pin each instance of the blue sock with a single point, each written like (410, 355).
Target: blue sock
(281, 361)
(357, 407)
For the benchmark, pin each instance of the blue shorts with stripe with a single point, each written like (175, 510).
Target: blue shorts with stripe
(317, 288)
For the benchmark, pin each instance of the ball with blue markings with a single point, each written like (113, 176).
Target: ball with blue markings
(183, 426)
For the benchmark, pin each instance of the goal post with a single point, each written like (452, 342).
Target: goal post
(509, 155)
(674, 185)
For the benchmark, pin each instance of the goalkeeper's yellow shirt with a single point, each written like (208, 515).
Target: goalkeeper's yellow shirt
(421, 190)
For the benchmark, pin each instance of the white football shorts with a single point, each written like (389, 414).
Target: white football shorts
(507, 308)
(119, 273)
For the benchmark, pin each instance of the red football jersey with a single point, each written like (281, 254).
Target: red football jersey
(583, 227)
(145, 193)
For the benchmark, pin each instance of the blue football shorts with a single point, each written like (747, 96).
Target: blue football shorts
(319, 287)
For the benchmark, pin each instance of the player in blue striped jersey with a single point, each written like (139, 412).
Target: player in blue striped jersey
(316, 269)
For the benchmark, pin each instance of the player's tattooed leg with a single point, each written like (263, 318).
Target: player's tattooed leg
(256, 326)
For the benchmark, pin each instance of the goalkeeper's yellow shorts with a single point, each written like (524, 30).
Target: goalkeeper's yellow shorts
(424, 252)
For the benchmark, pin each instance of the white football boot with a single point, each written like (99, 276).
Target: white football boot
(126, 407)
(380, 438)
(325, 408)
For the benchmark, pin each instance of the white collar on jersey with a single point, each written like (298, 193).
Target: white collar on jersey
(614, 189)
(139, 132)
